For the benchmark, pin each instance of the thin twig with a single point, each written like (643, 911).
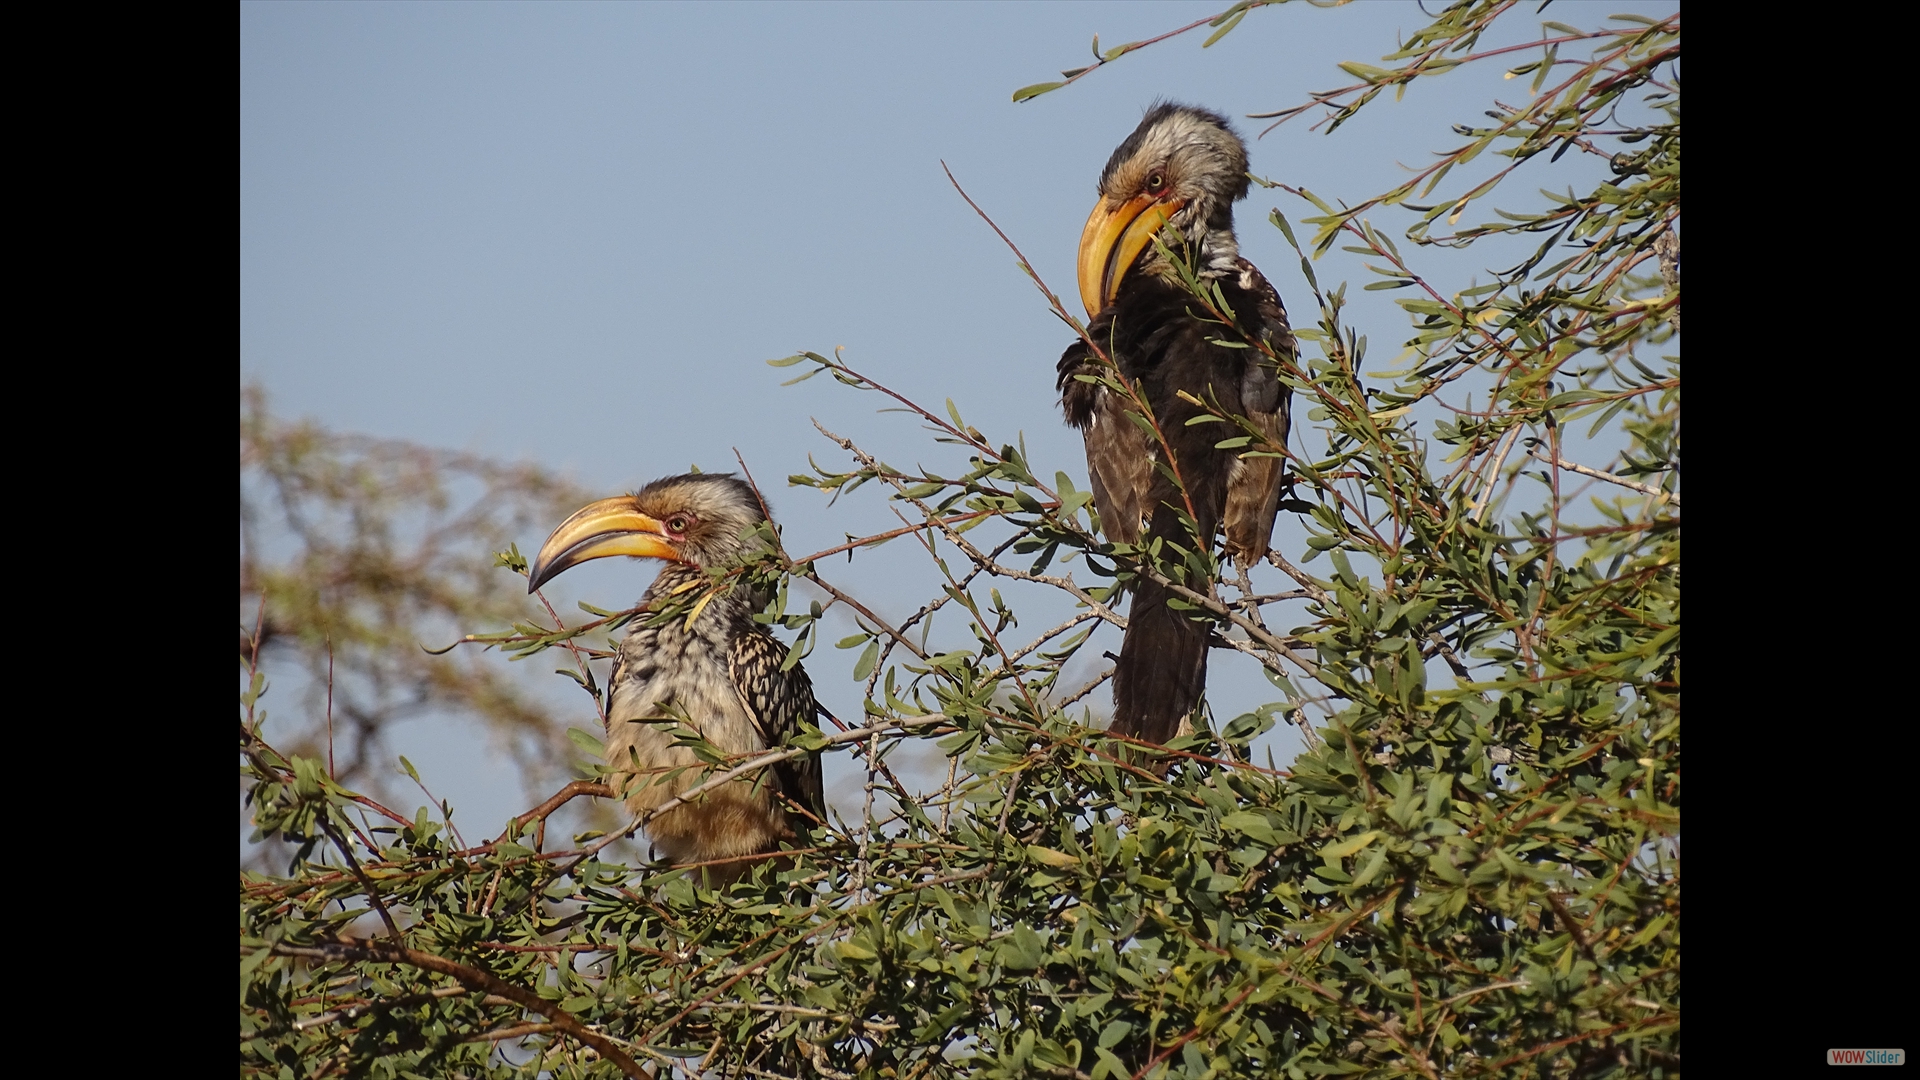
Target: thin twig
(757, 763)
(1305, 725)
(354, 1012)
(353, 949)
(559, 798)
(515, 1031)
(579, 661)
(859, 884)
(1583, 470)
(1484, 500)
(332, 773)
(1453, 659)
(946, 791)
(802, 1010)
(373, 894)
(973, 553)
(1085, 690)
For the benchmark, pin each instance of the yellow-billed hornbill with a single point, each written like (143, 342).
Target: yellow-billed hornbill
(712, 668)
(1175, 178)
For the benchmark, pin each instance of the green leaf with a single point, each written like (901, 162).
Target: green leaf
(1364, 71)
(1372, 870)
(868, 658)
(1280, 221)
(1026, 92)
(1022, 950)
(1050, 857)
(1651, 931)
(1250, 824)
(1350, 845)
(1226, 29)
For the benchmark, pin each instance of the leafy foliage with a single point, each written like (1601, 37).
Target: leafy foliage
(1473, 870)
(353, 551)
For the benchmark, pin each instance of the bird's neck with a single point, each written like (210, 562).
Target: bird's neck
(1209, 248)
(685, 584)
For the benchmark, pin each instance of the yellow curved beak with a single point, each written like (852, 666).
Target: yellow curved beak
(609, 527)
(1115, 235)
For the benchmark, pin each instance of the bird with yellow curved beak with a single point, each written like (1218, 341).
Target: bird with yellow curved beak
(714, 670)
(1175, 180)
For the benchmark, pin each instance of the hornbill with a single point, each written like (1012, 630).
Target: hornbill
(712, 668)
(1174, 179)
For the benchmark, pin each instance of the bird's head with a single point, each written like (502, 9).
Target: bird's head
(697, 518)
(1180, 172)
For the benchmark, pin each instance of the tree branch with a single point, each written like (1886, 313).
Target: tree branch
(353, 949)
(1583, 470)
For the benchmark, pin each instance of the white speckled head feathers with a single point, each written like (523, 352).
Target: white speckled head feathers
(1196, 155)
(713, 511)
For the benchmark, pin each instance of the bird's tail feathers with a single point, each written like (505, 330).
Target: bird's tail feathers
(1162, 669)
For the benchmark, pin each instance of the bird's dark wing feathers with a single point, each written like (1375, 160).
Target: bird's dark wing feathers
(1152, 334)
(779, 702)
(1158, 340)
(1253, 493)
(1119, 452)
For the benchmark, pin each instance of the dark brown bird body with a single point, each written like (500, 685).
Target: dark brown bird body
(696, 661)
(1174, 179)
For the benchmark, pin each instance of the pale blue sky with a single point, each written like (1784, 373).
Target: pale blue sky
(574, 233)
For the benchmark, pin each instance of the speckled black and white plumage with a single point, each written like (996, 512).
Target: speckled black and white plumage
(1152, 330)
(718, 674)
(722, 677)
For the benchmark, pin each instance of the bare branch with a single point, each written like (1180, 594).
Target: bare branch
(1583, 470)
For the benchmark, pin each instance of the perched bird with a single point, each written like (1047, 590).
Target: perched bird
(1175, 178)
(712, 669)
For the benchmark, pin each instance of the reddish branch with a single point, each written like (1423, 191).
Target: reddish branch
(560, 798)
